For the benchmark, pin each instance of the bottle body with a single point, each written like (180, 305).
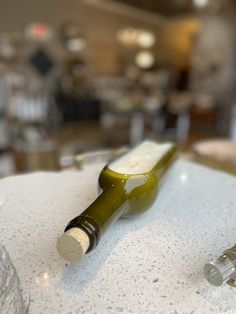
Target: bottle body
(122, 195)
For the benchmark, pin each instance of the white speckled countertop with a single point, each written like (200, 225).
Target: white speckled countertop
(151, 264)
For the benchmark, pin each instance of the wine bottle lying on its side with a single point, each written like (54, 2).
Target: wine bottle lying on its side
(129, 187)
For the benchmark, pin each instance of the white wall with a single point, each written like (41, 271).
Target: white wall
(100, 26)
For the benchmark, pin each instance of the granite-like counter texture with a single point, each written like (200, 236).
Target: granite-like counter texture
(151, 264)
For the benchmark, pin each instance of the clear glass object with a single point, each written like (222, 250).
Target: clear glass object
(222, 269)
(12, 297)
(91, 157)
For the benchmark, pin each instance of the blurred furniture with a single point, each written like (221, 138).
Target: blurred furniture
(233, 123)
(78, 109)
(131, 127)
(116, 127)
(32, 117)
(91, 157)
(74, 94)
(6, 161)
(219, 154)
(78, 137)
(204, 115)
(133, 117)
(30, 157)
(177, 115)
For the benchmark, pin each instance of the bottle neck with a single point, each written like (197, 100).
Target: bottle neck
(106, 209)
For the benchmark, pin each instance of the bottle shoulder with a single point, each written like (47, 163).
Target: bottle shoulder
(139, 190)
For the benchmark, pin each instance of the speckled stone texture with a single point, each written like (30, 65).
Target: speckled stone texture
(151, 264)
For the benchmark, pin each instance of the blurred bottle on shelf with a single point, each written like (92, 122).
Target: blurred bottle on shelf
(6, 160)
(26, 83)
(7, 53)
(33, 116)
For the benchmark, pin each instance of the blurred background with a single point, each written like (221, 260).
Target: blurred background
(81, 80)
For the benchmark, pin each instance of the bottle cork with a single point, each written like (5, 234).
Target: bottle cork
(73, 244)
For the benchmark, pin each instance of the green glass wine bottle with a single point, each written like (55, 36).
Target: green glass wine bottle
(129, 186)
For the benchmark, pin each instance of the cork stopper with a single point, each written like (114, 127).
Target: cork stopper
(73, 244)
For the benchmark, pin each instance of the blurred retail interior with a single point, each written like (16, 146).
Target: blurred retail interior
(88, 75)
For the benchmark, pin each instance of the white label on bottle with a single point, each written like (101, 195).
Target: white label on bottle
(141, 159)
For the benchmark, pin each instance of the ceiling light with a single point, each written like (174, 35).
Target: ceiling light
(200, 3)
(136, 37)
(128, 36)
(38, 32)
(76, 44)
(144, 59)
(145, 39)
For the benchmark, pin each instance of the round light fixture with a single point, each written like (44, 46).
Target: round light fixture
(128, 36)
(145, 39)
(200, 3)
(38, 32)
(73, 37)
(76, 44)
(144, 59)
(136, 37)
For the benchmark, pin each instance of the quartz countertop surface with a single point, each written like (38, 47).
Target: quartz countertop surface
(150, 264)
